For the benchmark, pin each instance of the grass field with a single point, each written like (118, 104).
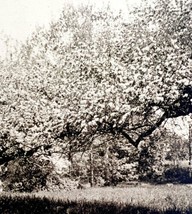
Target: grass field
(139, 199)
(159, 197)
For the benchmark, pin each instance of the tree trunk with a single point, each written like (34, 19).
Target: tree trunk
(190, 145)
(106, 164)
(91, 177)
(70, 158)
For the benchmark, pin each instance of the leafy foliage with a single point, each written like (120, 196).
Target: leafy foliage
(109, 161)
(177, 175)
(27, 174)
(161, 151)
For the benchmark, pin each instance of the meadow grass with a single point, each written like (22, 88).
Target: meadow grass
(140, 199)
(160, 197)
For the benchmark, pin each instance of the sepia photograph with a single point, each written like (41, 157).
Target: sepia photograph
(95, 106)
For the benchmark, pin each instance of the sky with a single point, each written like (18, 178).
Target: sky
(19, 18)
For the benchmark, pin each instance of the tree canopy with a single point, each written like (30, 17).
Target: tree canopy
(93, 73)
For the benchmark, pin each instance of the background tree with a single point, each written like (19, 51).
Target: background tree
(162, 151)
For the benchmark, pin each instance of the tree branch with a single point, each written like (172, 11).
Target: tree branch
(180, 107)
(19, 153)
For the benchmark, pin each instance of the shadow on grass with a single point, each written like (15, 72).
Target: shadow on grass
(37, 205)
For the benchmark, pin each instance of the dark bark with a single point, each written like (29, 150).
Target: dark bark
(180, 107)
(5, 157)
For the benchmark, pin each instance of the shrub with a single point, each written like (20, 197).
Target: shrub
(27, 174)
(177, 175)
